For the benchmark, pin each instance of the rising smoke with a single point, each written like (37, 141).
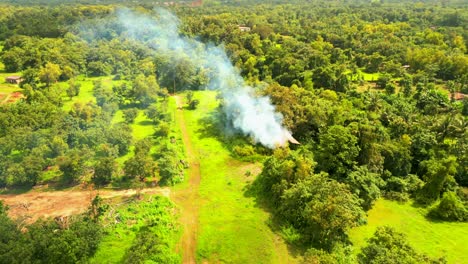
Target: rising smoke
(254, 116)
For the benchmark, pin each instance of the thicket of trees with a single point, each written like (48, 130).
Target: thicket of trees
(72, 240)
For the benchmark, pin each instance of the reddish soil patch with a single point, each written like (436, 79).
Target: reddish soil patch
(16, 95)
(34, 205)
(11, 98)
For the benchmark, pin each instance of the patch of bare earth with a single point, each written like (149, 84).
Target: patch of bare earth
(35, 204)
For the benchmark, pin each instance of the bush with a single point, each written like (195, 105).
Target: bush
(390, 246)
(130, 115)
(244, 151)
(193, 104)
(397, 196)
(163, 129)
(450, 208)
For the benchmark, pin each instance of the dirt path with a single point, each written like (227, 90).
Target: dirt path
(35, 204)
(187, 198)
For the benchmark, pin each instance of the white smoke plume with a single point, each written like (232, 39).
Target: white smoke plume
(254, 116)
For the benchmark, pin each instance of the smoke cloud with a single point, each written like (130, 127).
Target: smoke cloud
(253, 115)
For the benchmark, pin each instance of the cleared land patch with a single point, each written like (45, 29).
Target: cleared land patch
(35, 204)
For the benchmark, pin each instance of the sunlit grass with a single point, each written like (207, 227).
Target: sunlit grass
(232, 228)
(435, 239)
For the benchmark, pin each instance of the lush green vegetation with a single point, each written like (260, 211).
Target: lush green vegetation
(373, 91)
(436, 239)
(63, 240)
(233, 228)
(138, 231)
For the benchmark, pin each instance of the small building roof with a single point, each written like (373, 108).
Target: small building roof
(13, 77)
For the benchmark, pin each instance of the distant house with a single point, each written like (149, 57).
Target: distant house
(244, 29)
(13, 79)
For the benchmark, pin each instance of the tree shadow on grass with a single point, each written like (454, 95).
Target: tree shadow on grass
(15, 191)
(146, 123)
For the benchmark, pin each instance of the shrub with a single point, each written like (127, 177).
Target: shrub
(244, 151)
(450, 208)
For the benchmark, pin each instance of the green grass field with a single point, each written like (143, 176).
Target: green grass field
(6, 88)
(232, 228)
(370, 77)
(435, 239)
(129, 218)
(85, 95)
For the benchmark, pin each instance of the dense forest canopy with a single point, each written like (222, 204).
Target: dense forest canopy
(376, 92)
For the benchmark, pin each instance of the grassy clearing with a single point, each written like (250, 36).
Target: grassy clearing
(370, 77)
(232, 228)
(125, 221)
(6, 88)
(85, 95)
(435, 239)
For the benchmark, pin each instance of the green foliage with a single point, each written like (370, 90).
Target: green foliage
(73, 240)
(438, 174)
(366, 185)
(72, 166)
(49, 73)
(140, 167)
(104, 171)
(450, 208)
(149, 246)
(73, 88)
(321, 208)
(171, 167)
(193, 104)
(140, 232)
(130, 115)
(433, 238)
(341, 254)
(390, 246)
(337, 150)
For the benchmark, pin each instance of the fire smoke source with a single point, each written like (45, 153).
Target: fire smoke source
(254, 116)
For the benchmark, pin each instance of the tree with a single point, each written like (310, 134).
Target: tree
(365, 184)
(73, 88)
(49, 73)
(439, 173)
(390, 88)
(337, 150)
(189, 96)
(140, 166)
(153, 113)
(130, 115)
(121, 136)
(193, 104)
(13, 247)
(321, 208)
(388, 246)
(170, 169)
(104, 170)
(450, 208)
(72, 166)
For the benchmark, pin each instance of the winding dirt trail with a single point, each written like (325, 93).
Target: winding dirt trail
(187, 198)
